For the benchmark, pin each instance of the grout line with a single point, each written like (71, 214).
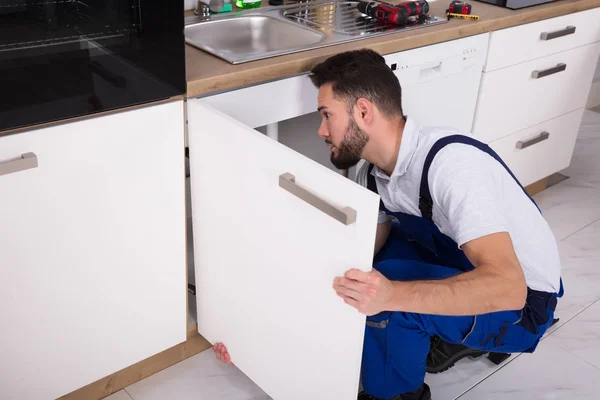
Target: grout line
(579, 230)
(130, 396)
(579, 358)
(567, 350)
(519, 354)
(571, 319)
(506, 363)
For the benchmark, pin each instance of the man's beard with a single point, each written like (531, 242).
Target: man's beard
(351, 147)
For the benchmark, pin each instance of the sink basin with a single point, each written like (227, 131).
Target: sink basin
(245, 38)
(270, 31)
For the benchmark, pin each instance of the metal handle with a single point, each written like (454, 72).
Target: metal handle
(545, 72)
(27, 161)
(543, 136)
(346, 215)
(569, 30)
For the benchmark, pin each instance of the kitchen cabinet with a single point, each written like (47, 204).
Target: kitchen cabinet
(274, 223)
(534, 88)
(440, 85)
(531, 92)
(92, 248)
(272, 228)
(543, 149)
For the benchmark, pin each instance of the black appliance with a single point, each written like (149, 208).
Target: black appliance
(516, 4)
(66, 58)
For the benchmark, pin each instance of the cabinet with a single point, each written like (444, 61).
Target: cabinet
(533, 91)
(92, 249)
(272, 228)
(440, 84)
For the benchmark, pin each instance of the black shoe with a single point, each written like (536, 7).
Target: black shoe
(422, 393)
(442, 355)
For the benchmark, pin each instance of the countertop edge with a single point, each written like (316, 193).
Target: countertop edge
(286, 66)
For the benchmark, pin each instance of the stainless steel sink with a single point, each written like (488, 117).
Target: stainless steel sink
(256, 34)
(250, 37)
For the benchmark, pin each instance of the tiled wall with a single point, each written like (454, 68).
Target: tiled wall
(189, 4)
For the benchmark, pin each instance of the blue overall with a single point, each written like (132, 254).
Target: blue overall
(396, 344)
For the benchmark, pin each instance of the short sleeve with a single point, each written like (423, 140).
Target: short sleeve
(463, 184)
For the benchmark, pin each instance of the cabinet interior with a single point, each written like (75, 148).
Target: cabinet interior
(301, 134)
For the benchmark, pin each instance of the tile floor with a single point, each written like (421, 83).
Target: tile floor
(567, 363)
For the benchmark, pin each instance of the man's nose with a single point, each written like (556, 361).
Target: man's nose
(322, 132)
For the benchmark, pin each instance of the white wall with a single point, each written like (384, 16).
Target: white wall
(189, 4)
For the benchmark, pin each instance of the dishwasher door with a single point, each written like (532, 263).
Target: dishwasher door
(440, 83)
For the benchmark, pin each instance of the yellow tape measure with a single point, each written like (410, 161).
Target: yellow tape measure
(462, 16)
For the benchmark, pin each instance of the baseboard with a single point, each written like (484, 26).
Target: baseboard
(143, 369)
(594, 96)
(537, 187)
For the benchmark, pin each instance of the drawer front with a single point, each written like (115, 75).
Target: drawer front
(527, 94)
(537, 152)
(527, 42)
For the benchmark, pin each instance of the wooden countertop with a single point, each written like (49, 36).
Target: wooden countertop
(207, 73)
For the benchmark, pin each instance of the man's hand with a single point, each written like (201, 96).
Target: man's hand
(368, 292)
(222, 354)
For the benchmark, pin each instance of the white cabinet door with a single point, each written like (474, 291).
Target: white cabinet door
(92, 249)
(266, 253)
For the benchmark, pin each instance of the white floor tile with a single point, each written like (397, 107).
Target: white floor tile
(120, 395)
(465, 374)
(569, 206)
(581, 336)
(200, 377)
(580, 253)
(549, 373)
(580, 264)
(585, 165)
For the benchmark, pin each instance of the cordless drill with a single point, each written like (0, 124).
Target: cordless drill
(393, 14)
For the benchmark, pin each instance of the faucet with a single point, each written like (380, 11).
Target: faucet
(205, 7)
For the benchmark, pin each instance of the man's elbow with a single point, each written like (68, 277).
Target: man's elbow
(517, 294)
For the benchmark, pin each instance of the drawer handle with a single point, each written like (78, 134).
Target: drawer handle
(543, 136)
(545, 72)
(345, 215)
(569, 30)
(27, 161)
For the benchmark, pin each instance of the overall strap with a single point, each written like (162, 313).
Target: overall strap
(425, 201)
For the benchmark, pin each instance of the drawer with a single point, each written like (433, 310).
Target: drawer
(512, 99)
(537, 152)
(523, 43)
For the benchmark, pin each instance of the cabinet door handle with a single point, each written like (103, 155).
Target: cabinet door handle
(346, 215)
(569, 30)
(27, 161)
(545, 72)
(542, 136)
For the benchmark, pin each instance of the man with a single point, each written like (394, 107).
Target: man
(461, 250)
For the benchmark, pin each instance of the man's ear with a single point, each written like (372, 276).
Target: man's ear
(364, 109)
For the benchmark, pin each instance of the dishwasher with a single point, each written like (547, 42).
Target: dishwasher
(440, 85)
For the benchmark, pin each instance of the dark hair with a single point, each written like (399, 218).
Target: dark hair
(361, 73)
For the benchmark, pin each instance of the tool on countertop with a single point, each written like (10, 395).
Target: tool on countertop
(462, 16)
(393, 14)
(459, 7)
